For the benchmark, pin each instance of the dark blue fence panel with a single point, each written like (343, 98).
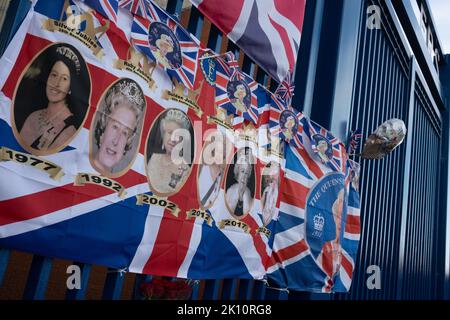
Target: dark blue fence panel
(381, 91)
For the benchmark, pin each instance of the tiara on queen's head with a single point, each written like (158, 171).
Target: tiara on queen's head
(69, 54)
(132, 92)
(177, 116)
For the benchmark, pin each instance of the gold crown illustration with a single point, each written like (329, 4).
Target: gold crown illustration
(248, 132)
(181, 90)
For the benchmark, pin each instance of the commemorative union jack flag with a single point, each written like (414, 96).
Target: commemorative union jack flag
(285, 121)
(136, 7)
(166, 43)
(269, 31)
(107, 8)
(235, 91)
(317, 234)
(285, 90)
(326, 148)
(354, 141)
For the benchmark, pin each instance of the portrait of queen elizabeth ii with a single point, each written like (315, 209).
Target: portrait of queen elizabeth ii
(240, 183)
(170, 152)
(51, 100)
(116, 129)
(164, 46)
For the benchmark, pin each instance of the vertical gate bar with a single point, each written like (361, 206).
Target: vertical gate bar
(195, 290)
(406, 175)
(38, 278)
(112, 289)
(215, 39)
(245, 289)
(211, 289)
(15, 14)
(195, 23)
(138, 281)
(4, 258)
(229, 289)
(79, 294)
(259, 290)
(174, 7)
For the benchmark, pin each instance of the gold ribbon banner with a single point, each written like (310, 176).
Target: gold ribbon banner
(52, 169)
(55, 25)
(191, 104)
(199, 213)
(264, 230)
(143, 198)
(82, 178)
(234, 223)
(216, 120)
(123, 64)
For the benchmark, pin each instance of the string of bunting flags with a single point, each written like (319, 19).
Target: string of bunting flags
(137, 148)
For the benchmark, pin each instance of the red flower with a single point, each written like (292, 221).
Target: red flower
(166, 289)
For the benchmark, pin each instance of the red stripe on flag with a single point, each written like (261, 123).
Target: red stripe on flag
(294, 193)
(225, 20)
(258, 243)
(47, 201)
(347, 265)
(294, 10)
(287, 44)
(353, 224)
(288, 252)
(188, 64)
(174, 235)
(312, 165)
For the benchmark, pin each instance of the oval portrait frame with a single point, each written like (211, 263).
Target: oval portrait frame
(200, 165)
(261, 188)
(176, 45)
(16, 132)
(231, 165)
(283, 116)
(248, 97)
(94, 121)
(146, 158)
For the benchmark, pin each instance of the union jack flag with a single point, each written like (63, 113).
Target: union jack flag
(354, 141)
(285, 90)
(235, 91)
(286, 121)
(326, 148)
(136, 7)
(107, 8)
(317, 234)
(166, 43)
(269, 31)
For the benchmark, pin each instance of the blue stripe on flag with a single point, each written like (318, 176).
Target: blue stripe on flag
(217, 256)
(108, 236)
(292, 163)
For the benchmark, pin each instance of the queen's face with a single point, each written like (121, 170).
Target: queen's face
(240, 93)
(243, 174)
(322, 146)
(120, 125)
(58, 82)
(169, 143)
(290, 122)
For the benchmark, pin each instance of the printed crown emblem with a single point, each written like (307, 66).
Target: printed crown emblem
(181, 90)
(248, 132)
(319, 222)
(223, 116)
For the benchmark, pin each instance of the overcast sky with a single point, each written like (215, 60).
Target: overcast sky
(441, 16)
